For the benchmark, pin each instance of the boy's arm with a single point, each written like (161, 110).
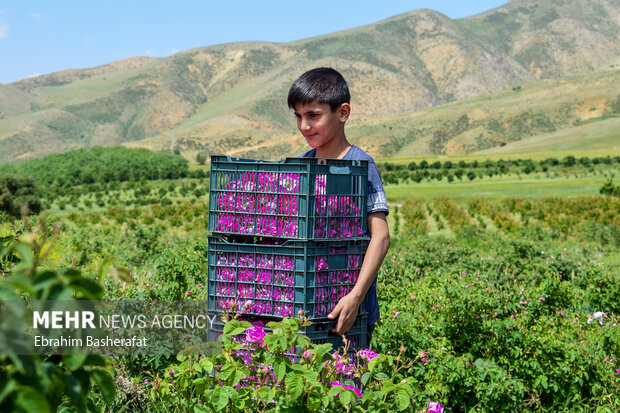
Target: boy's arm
(348, 306)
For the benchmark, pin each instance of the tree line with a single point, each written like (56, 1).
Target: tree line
(393, 173)
(45, 179)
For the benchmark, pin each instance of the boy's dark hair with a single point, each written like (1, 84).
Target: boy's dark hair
(323, 84)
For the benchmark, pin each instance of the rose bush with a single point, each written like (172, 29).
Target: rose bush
(504, 325)
(253, 371)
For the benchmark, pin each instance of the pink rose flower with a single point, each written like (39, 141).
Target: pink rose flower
(357, 391)
(255, 334)
(434, 407)
(367, 354)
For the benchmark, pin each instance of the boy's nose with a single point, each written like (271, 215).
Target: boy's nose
(303, 125)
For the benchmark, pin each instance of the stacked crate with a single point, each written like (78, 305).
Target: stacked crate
(287, 236)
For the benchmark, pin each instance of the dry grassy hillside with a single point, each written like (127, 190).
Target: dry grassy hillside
(230, 98)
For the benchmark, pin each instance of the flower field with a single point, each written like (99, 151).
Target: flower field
(504, 304)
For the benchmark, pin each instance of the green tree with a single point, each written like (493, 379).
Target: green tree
(16, 192)
(201, 158)
(609, 188)
(569, 161)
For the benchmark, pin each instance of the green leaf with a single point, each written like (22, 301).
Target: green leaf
(42, 280)
(314, 401)
(104, 265)
(7, 388)
(78, 384)
(123, 274)
(322, 349)
(9, 294)
(294, 385)
(279, 370)
(90, 289)
(372, 364)
(220, 399)
(104, 380)
(382, 376)
(94, 360)
(238, 330)
(230, 326)
(303, 341)
(207, 365)
(233, 396)
(335, 390)
(264, 393)
(406, 387)
(345, 397)
(74, 362)
(237, 376)
(84, 380)
(245, 324)
(365, 378)
(311, 376)
(21, 283)
(271, 341)
(25, 252)
(402, 399)
(58, 292)
(72, 274)
(200, 385)
(31, 401)
(225, 372)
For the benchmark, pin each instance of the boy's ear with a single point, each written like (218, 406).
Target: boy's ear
(343, 112)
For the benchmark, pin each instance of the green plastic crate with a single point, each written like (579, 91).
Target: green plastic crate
(298, 198)
(279, 280)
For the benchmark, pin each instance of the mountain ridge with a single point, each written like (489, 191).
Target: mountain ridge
(230, 96)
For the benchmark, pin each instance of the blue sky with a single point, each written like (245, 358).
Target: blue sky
(38, 37)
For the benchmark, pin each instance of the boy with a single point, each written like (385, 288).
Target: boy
(321, 101)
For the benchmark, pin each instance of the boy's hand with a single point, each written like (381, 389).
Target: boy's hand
(346, 312)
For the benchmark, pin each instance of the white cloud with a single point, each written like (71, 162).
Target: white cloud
(36, 16)
(150, 53)
(4, 29)
(174, 51)
(87, 40)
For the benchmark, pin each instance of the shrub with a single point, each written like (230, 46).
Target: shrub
(48, 383)
(415, 217)
(456, 216)
(16, 192)
(253, 373)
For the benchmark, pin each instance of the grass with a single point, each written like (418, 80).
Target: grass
(601, 136)
(87, 89)
(481, 157)
(534, 186)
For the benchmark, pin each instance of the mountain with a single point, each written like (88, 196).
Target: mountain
(230, 98)
(554, 38)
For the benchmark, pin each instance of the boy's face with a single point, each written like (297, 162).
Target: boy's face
(319, 125)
